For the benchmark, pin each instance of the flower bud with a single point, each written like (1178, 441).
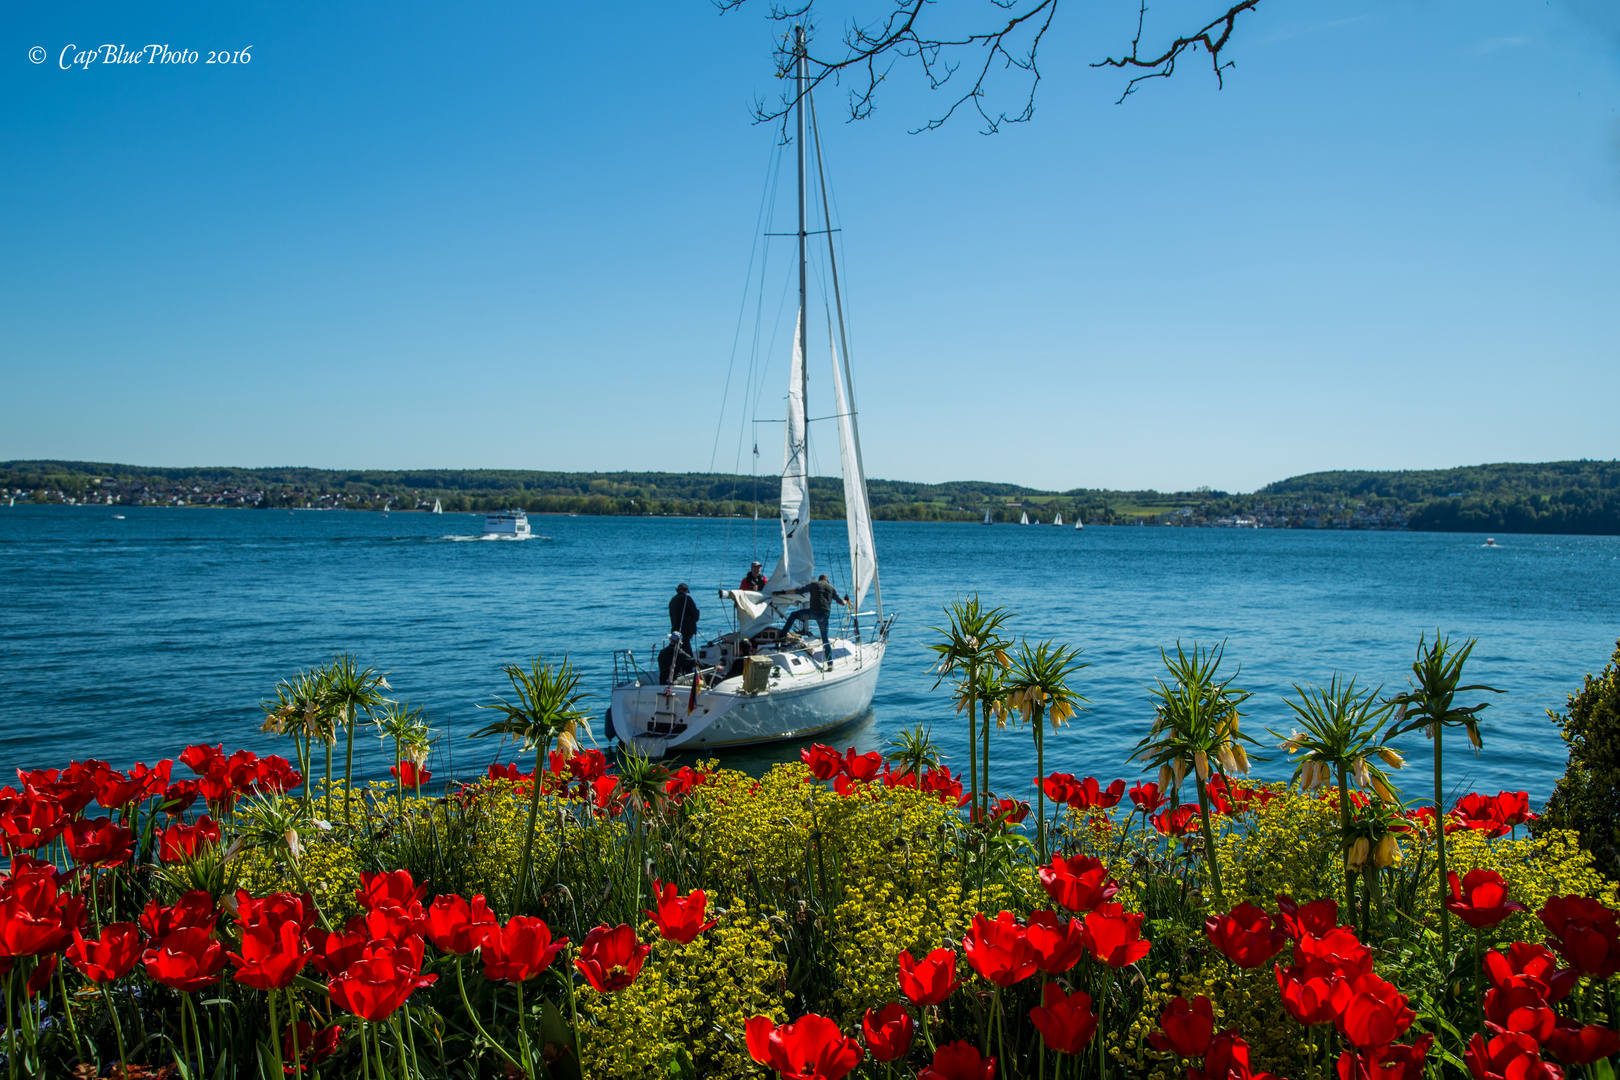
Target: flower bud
(1473, 736)
(1357, 853)
(1242, 756)
(1388, 852)
(1359, 770)
(1166, 774)
(1391, 757)
(1201, 763)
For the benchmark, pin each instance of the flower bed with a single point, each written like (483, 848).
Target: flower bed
(844, 915)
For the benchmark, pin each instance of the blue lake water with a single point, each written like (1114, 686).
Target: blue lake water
(128, 639)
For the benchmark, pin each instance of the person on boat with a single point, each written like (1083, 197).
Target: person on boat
(821, 595)
(755, 580)
(683, 616)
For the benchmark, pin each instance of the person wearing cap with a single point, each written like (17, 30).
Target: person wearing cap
(755, 581)
(683, 616)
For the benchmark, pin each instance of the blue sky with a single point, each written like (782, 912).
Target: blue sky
(517, 235)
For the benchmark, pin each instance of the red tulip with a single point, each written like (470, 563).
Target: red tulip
(1480, 899)
(29, 821)
(193, 909)
(1245, 935)
(202, 759)
(457, 925)
(999, 949)
(1395, 1062)
(1226, 1059)
(115, 790)
(1060, 787)
(409, 775)
(610, 959)
(1479, 813)
(1520, 1007)
(178, 797)
(1337, 951)
(1308, 999)
(35, 920)
(302, 1043)
(1065, 1021)
(863, 767)
(1147, 797)
(1116, 937)
(959, 1060)
(679, 918)
(1058, 944)
(938, 779)
(72, 788)
(275, 773)
(683, 781)
(271, 956)
(1315, 918)
(520, 950)
(928, 981)
(824, 762)
(508, 772)
(109, 957)
(1079, 883)
(99, 842)
(1513, 808)
(810, 1048)
(374, 987)
(276, 910)
(1508, 1057)
(1585, 934)
(181, 841)
(188, 959)
(1088, 795)
(336, 953)
(888, 1032)
(1575, 1044)
(1010, 812)
(39, 980)
(1187, 1028)
(1535, 961)
(392, 924)
(1181, 821)
(394, 889)
(1372, 1013)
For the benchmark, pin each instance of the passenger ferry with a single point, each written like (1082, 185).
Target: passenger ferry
(513, 524)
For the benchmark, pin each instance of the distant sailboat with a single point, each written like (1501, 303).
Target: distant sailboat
(1023, 519)
(436, 508)
(1079, 522)
(987, 517)
(1058, 520)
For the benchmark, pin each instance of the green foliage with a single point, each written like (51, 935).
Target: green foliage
(1587, 799)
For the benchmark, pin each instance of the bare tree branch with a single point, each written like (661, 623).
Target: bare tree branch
(1164, 65)
(1010, 43)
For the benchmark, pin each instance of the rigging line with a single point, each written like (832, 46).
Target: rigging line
(754, 250)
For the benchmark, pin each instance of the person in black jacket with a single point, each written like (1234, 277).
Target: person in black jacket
(822, 597)
(683, 616)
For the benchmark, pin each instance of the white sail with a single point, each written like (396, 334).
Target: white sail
(798, 563)
(1059, 519)
(987, 517)
(1023, 519)
(862, 550)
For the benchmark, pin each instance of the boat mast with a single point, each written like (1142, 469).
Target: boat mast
(804, 328)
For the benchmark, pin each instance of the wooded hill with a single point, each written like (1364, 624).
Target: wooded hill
(1553, 497)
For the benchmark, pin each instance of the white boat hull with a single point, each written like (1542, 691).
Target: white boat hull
(802, 700)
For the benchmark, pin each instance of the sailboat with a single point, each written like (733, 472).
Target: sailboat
(1079, 521)
(754, 684)
(987, 517)
(1023, 519)
(437, 509)
(1058, 520)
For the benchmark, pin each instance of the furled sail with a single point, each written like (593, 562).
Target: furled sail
(862, 551)
(797, 564)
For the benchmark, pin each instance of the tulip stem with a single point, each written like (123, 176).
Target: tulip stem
(399, 1044)
(275, 1036)
(1443, 883)
(1479, 979)
(67, 1011)
(522, 884)
(11, 1027)
(196, 1030)
(523, 1033)
(1040, 784)
(292, 1031)
(973, 737)
(473, 1016)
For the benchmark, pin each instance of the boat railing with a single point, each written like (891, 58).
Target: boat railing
(627, 672)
